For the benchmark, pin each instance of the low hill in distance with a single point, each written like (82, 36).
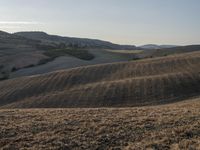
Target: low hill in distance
(145, 82)
(154, 46)
(175, 50)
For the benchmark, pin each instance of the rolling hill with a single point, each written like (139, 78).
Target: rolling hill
(146, 82)
(38, 50)
(41, 53)
(68, 62)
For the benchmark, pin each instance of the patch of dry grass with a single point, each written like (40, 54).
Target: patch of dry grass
(174, 126)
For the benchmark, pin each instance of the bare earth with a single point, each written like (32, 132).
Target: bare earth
(173, 126)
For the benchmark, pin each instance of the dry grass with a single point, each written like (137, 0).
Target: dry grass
(146, 82)
(174, 126)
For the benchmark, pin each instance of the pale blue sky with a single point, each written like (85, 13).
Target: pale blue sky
(121, 21)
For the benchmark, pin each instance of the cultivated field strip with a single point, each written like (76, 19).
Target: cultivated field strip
(146, 82)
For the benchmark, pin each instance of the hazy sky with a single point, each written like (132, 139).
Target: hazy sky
(121, 21)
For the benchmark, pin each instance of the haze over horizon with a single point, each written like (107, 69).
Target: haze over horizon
(135, 22)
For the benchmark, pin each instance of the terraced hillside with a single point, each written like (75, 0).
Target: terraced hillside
(145, 82)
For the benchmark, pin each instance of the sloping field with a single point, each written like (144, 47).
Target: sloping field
(68, 62)
(174, 126)
(146, 82)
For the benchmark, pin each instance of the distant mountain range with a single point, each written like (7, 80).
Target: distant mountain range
(42, 38)
(71, 41)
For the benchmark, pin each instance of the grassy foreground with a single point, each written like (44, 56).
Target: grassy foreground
(173, 126)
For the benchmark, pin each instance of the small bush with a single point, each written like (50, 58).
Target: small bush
(14, 69)
(29, 66)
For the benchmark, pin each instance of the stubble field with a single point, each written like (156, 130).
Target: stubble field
(172, 126)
